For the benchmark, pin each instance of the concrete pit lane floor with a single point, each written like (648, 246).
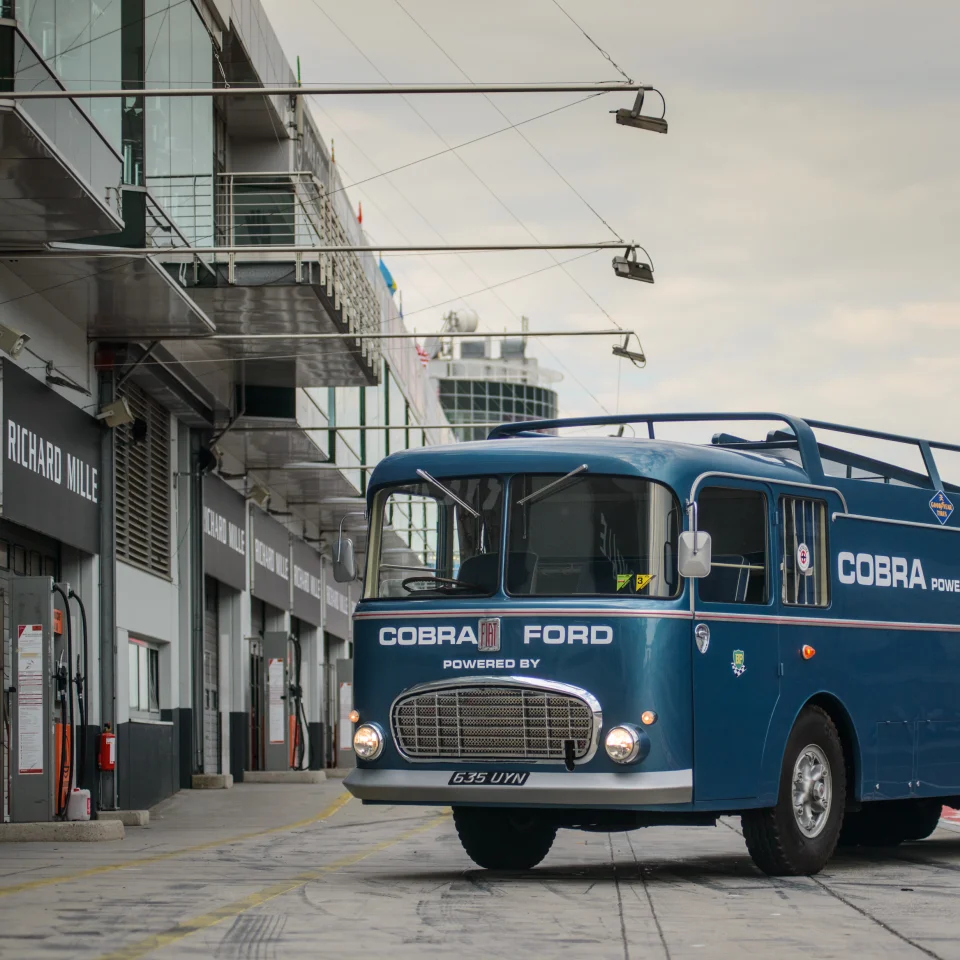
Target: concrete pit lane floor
(288, 871)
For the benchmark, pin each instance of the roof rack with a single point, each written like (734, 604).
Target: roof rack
(799, 435)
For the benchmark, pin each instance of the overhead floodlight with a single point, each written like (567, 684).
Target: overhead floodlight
(630, 268)
(259, 495)
(12, 341)
(116, 413)
(633, 118)
(636, 357)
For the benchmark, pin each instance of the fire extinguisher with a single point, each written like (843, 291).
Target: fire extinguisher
(107, 749)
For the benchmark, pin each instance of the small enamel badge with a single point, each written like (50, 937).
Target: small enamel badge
(739, 667)
(941, 506)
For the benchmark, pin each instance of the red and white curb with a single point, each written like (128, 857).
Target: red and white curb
(950, 819)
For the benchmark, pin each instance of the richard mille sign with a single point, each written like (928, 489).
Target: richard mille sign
(224, 533)
(270, 552)
(51, 462)
(307, 574)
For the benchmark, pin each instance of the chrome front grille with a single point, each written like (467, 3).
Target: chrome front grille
(495, 720)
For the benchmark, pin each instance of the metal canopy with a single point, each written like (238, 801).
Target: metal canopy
(273, 443)
(266, 299)
(112, 296)
(304, 492)
(309, 488)
(42, 198)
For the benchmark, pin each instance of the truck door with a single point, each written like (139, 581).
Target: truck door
(736, 673)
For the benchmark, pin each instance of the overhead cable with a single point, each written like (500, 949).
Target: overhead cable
(606, 56)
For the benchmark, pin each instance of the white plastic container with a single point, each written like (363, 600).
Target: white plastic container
(78, 806)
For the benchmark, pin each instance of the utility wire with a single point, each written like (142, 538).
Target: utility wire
(490, 190)
(427, 261)
(353, 43)
(467, 143)
(533, 146)
(457, 297)
(606, 56)
(459, 256)
(502, 283)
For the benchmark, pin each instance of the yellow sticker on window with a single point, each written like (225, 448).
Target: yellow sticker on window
(643, 579)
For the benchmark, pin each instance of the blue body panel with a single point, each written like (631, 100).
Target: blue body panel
(887, 661)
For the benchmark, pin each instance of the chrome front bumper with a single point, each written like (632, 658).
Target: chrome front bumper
(641, 788)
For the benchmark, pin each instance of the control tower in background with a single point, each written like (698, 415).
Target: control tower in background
(487, 380)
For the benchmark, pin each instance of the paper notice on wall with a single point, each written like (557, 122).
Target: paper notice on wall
(275, 692)
(30, 698)
(346, 724)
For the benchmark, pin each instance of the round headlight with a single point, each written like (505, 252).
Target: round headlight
(623, 743)
(368, 741)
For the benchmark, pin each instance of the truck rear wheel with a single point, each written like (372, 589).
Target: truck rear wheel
(798, 836)
(498, 839)
(890, 822)
(922, 818)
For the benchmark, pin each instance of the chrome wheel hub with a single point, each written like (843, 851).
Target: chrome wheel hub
(812, 790)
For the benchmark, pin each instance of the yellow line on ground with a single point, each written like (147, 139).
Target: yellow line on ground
(156, 941)
(324, 814)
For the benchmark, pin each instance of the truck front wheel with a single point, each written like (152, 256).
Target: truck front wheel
(498, 839)
(798, 835)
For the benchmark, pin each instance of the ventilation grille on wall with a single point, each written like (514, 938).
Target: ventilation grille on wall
(143, 484)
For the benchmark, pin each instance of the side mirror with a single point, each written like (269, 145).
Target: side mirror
(695, 551)
(344, 561)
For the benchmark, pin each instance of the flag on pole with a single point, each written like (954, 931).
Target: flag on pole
(424, 356)
(388, 277)
(359, 213)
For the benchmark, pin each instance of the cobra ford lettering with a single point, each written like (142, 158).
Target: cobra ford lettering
(593, 632)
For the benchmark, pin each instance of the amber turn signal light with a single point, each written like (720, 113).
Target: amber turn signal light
(807, 651)
(354, 716)
(648, 718)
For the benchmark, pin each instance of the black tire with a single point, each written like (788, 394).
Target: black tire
(498, 839)
(890, 822)
(869, 827)
(921, 818)
(775, 839)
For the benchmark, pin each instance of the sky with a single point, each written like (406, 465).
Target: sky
(802, 213)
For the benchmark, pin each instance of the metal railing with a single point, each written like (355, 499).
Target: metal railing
(184, 200)
(280, 208)
(283, 208)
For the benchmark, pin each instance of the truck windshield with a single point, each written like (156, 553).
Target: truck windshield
(594, 535)
(438, 538)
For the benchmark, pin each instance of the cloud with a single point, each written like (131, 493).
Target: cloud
(801, 213)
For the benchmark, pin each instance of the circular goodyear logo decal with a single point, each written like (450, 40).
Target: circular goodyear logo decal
(804, 560)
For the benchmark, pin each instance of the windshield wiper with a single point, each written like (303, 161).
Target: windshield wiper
(447, 492)
(553, 487)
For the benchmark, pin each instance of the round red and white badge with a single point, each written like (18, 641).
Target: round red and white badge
(804, 560)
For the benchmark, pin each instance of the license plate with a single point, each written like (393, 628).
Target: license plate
(485, 778)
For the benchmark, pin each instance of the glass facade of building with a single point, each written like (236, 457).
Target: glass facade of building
(167, 144)
(81, 42)
(489, 401)
(390, 422)
(178, 134)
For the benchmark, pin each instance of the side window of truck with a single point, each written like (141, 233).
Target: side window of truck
(804, 557)
(736, 520)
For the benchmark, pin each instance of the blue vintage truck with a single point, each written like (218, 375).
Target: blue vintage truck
(609, 632)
